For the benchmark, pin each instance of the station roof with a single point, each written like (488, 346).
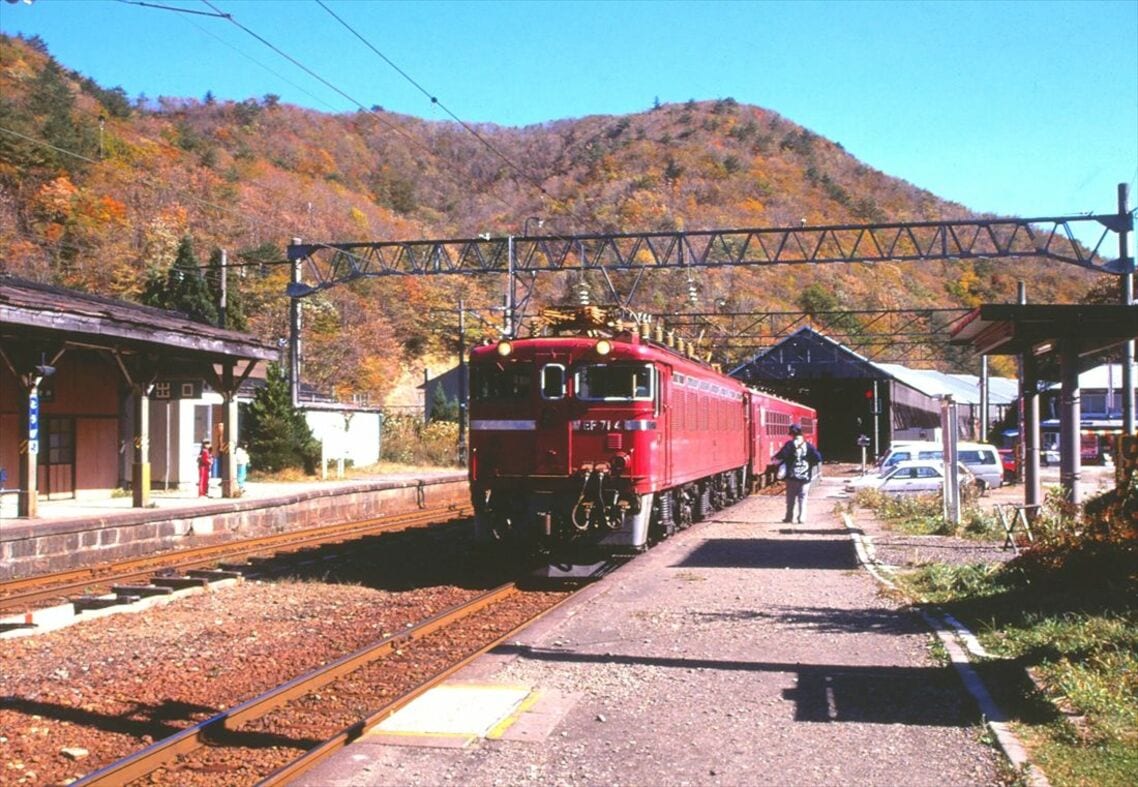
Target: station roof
(1015, 329)
(964, 388)
(814, 355)
(30, 311)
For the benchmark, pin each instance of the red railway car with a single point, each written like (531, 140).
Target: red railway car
(613, 440)
(771, 417)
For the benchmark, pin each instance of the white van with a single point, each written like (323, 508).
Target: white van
(981, 458)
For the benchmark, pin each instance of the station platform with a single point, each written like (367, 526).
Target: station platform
(69, 533)
(742, 651)
(180, 500)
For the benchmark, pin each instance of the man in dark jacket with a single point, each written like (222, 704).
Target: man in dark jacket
(800, 459)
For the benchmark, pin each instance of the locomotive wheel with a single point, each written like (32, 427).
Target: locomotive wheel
(684, 509)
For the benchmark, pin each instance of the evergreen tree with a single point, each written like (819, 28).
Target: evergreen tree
(442, 407)
(277, 433)
(183, 288)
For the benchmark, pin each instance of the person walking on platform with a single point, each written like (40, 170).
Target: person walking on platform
(800, 459)
(205, 465)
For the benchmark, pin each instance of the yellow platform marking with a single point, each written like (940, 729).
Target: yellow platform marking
(501, 727)
(460, 709)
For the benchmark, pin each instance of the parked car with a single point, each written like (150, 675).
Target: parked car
(917, 476)
(981, 458)
(909, 450)
(1008, 460)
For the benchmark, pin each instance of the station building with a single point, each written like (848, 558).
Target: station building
(856, 397)
(81, 377)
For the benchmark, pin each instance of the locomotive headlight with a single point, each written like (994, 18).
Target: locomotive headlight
(604, 347)
(505, 348)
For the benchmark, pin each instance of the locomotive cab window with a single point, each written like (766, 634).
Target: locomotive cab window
(553, 381)
(616, 382)
(492, 382)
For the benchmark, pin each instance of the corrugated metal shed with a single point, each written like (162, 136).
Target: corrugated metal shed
(964, 388)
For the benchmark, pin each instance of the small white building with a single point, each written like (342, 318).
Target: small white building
(182, 414)
(349, 433)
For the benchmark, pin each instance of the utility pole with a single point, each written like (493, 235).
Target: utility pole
(983, 399)
(294, 332)
(222, 307)
(462, 385)
(1127, 286)
(511, 264)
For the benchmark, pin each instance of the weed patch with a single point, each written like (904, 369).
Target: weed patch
(1065, 613)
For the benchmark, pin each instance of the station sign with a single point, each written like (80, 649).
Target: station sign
(33, 422)
(166, 390)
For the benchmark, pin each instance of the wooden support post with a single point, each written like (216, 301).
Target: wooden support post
(140, 469)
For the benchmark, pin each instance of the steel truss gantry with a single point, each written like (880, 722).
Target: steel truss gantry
(325, 265)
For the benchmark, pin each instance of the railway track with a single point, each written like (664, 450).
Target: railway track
(278, 735)
(20, 595)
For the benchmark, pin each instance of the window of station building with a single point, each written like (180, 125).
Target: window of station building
(616, 382)
(57, 441)
(1094, 403)
(490, 382)
(553, 381)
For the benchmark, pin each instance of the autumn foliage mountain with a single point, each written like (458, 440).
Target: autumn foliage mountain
(99, 192)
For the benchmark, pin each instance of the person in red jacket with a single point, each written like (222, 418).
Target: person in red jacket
(205, 464)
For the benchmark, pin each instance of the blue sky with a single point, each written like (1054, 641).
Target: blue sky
(1013, 108)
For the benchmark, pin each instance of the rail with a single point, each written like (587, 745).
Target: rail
(21, 592)
(164, 751)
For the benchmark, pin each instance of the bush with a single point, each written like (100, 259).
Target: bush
(407, 440)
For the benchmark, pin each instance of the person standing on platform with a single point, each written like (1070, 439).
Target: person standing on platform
(801, 459)
(241, 458)
(205, 466)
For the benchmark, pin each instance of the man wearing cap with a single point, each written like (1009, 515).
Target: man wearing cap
(205, 464)
(800, 459)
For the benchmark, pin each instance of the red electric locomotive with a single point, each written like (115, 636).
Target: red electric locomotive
(609, 439)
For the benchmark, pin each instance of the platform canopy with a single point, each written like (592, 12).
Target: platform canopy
(52, 318)
(1037, 329)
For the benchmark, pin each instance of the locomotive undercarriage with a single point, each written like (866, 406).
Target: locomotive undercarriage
(596, 510)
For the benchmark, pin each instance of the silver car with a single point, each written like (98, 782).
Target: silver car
(917, 476)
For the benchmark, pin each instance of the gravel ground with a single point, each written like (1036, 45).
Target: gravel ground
(741, 652)
(81, 697)
(100, 689)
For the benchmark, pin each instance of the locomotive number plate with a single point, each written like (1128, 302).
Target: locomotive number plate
(613, 426)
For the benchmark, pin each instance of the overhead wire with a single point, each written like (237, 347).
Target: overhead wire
(81, 157)
(525, 176)
(434, 100)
